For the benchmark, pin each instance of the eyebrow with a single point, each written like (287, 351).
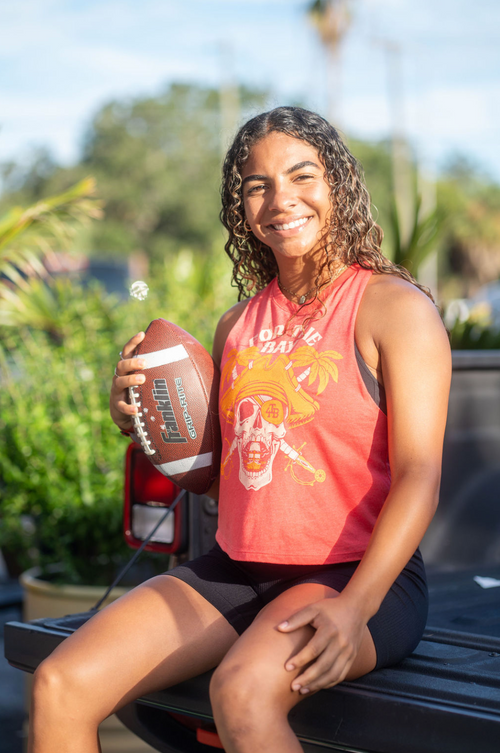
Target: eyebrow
(298, 166)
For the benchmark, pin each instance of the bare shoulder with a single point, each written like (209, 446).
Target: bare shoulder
(393, 307)
(224, 327)
(390, 288)
(396, 319)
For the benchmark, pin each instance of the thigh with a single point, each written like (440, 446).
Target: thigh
(398, 625)
(226, 584)
(158, 634)
(263, 651)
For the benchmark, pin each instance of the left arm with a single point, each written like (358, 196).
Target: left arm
(413, 356)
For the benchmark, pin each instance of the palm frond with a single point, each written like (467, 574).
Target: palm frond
(322, 366)
(423, 238)
(27, 235)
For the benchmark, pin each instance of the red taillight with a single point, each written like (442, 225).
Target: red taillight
(205, 732)
(208, 738)
(147, 493)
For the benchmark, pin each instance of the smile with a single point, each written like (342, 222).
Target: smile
(291, 225)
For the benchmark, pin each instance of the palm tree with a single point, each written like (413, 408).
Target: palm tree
(331, 19)
(27, 236)
(316, 366)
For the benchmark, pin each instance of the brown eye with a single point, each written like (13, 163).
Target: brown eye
(254, 189)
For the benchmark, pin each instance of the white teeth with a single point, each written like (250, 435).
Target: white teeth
(291, 225)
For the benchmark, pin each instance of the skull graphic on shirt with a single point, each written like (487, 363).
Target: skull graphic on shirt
(259, 427)
(263, 397)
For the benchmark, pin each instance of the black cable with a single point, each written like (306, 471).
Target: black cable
(139, 551)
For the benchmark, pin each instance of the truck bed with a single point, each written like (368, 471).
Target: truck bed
(445, 698)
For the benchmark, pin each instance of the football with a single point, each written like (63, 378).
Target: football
(178, 423)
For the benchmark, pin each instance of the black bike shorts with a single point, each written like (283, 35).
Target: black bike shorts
(239, 590)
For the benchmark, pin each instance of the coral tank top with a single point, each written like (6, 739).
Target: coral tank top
(304, 469)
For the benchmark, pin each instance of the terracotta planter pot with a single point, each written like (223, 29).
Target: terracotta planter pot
(45, 599)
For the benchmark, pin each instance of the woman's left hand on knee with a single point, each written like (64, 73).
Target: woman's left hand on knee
(339, 630)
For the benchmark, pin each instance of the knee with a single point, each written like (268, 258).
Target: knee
(233, 699)
(231, 685)
(242, 693)
(57, 687)
(48, 683)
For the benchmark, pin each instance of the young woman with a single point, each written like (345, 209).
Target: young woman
(333, 397)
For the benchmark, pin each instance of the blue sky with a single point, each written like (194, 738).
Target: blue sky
(60, 60)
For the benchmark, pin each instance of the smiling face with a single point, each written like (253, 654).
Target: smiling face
(285, 194)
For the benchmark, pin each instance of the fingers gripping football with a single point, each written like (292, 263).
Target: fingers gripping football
(125, 376)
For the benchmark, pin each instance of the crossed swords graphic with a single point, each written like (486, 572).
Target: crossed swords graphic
(294, 457)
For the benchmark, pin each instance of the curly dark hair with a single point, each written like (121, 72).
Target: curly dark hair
(352, 235)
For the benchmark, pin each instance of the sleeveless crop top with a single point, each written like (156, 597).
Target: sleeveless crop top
(305, 468)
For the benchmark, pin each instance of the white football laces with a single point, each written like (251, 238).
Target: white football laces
(139, 425)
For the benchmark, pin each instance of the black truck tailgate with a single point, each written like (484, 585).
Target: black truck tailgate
(445, 698)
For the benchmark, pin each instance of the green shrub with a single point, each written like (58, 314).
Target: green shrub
(61, 459)
(475, 331)
(470, 335)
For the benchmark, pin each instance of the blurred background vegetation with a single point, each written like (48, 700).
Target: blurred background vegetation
(156, 162)
(151, 207)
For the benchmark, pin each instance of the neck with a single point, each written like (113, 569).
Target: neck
(298, 274)
(302, 278)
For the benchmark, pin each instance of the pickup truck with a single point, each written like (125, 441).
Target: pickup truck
(445, 698)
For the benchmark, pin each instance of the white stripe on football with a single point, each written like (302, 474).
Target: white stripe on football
(165, 356)
(186, 464)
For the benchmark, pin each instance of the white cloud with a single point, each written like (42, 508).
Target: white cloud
(37, 121)
(456, 112)
(111, 62)
(442, 111)
(379, 5)
(439, 120)
(61, 59)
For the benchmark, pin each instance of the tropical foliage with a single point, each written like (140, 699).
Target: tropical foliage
(60, 463)
(473, 335)
(27, 236)
(470, 204)
(157, 164)
(423, 238)
(61, 459)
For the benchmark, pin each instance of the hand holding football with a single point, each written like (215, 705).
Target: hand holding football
(177, 423)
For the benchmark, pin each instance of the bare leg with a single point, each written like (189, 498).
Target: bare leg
(250, 691)
(157, 635)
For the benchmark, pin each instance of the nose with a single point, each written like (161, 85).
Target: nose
(282, 197)
(258, 421)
